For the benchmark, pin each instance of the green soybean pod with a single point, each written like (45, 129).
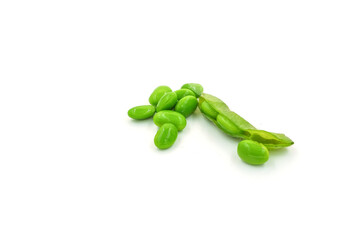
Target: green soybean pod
(141, 112)
(166, 136)
(195, 87)
(212, 106)
(167, 101)
(168, 116)
(252, 152)
(157, 94)
(226, 124)
(206, 109)
(186, 106)
(183, 93)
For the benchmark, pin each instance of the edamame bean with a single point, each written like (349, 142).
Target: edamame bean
(168, 116)
(166, 136)
(207, 110)
(141, 112)
(252, 152)
(195, 87)
(167, 101)
(186, 106)
(226, 125)
(157, 94)
(183, 93)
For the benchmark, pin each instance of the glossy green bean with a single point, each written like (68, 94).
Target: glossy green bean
(208, 111)
(167, 101)
(183, 93)
(195, 87)
(166, 136)
(186, 105)
(141, 112)
(168, 116)
(252, 152)
(157, 94)
(227, 125)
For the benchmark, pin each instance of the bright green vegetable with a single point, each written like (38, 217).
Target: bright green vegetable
(195, 87)
(234, 125)
(168, 116)
(252, 152)
(226, 125)
(166, 136)
(167, 101)
(157, 94)
(141, 112)
(255, 145)
(183, 93)
(186, 106)
(208, 111)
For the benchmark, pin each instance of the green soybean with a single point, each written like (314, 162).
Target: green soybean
(195, 87)
(166, 136)
(183, 93)
(141, 112)
(207, 110)
(157, 94)
(252, 152)
(168, 116)
(226, 125)
(167, 101)
(186, 106)
(231, 123)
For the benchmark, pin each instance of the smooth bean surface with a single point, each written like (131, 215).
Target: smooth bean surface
(167, 101)
(252, 152)
(207, 110)
(195, 87)
(168, 116)
(226, 124)
(141, 112)
(157, 94)
(186, 106)
(166, 136)
(183, 93)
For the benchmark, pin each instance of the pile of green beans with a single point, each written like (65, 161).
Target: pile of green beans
(170, 109)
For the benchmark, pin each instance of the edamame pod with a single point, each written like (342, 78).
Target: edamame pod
(211, 106)
(168, 116)
(166, 136)
(252, 152)
(195, 87)
(186, 106)
(141, 112)
(167, 101)
(183, 93)
(157, 94)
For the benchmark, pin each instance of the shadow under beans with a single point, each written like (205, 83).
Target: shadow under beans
(278, 152)
(144, 122)
(236, 160)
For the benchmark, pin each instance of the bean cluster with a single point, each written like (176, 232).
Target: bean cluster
(170, 109)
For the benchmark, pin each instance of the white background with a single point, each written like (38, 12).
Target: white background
(73, 165)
